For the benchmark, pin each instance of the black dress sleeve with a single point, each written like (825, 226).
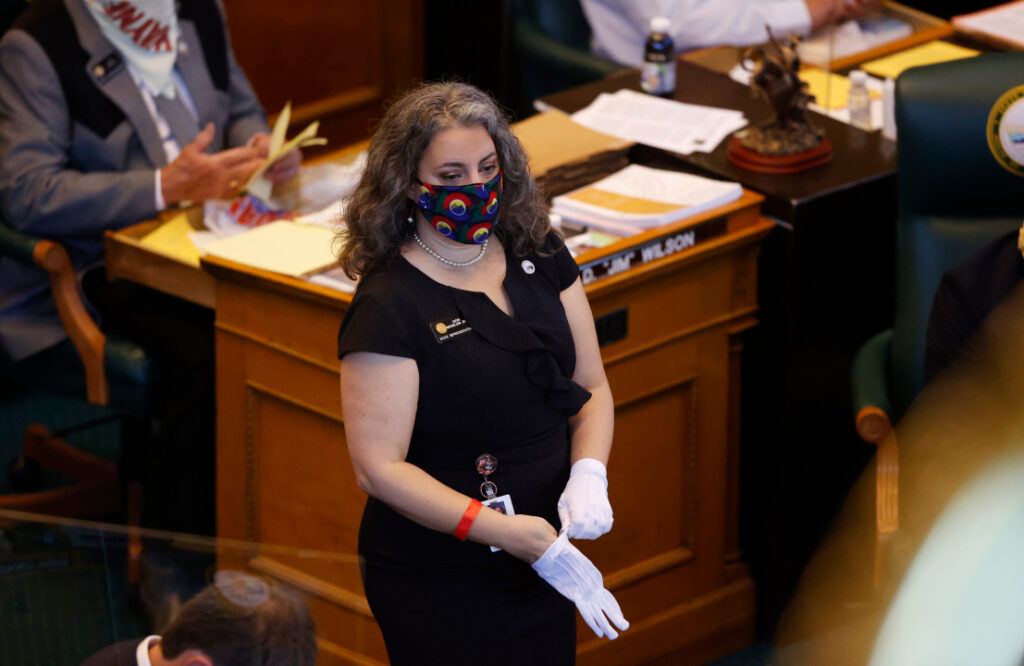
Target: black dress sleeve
(568, 269)
(373, 324)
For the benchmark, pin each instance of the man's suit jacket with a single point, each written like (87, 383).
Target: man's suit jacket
(118, 654)
(966, 296)
(78, 148)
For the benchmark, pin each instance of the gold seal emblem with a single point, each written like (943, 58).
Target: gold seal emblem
(440, 328)
(1005, 130)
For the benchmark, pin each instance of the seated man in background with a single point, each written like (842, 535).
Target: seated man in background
(967, 294)
(620, 27)
(110, 111)
(240, 619)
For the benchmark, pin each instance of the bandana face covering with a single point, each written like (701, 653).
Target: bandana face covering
(464, 213)
(146, 34)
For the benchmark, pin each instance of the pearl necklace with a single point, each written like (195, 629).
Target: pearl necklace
(458, 264)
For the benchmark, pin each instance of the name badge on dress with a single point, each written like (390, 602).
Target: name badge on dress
(449, 328)
(486, 464)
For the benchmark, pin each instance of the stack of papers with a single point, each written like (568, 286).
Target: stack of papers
(565, 155)
(1002, 25)
(638, 198)
(291, 248)
(662, 123)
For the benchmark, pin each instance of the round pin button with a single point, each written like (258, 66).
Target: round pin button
(528, 267)
(486, 464)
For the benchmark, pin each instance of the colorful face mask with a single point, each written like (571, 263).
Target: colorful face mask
(464, 213)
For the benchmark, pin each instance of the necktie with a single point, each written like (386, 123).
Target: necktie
(183, 124)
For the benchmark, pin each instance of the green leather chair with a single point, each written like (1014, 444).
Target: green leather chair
(954, 198)
(89, 366)
(553, 40)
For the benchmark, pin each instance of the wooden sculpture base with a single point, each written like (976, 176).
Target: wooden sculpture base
(748, 159)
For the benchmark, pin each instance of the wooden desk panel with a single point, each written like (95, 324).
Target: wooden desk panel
(284, 475)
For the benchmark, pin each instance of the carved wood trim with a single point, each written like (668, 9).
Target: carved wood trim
(678, 335)
(309, 407)
(744, 279)
(251, 471)
(310, 584)
(345, 655)
(263, 342)
(85, 334)
(662, 388)
(732, 444)
(652, 566)
(690, 470)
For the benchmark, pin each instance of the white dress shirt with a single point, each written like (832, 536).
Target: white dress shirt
(142, 652)
(171, 147)
(620, 27)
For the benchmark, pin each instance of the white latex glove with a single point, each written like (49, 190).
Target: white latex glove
(583, 507)
(576, 578)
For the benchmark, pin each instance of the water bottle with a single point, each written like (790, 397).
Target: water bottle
(859, 101)
(658, 75)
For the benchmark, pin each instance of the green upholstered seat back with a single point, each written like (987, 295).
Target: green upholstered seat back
(563, 20)
(553, 43)
(954, 197)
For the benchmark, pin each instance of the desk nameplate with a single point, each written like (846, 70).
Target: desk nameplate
(654, 249)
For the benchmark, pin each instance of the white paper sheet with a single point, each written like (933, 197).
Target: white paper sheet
(662, 123)
(1004, 22)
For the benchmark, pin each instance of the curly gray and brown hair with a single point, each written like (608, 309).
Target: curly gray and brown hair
(377, 209)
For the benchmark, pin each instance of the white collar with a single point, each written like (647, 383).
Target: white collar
(142, 652)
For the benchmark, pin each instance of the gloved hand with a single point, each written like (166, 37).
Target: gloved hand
(583, 507)
(576, 578)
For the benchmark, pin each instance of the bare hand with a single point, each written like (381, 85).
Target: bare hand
(824, 12)
(528, 537)
(196, 176)
(285, 168)
(857, 8)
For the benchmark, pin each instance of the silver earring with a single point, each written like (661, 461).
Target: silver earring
(409, 219)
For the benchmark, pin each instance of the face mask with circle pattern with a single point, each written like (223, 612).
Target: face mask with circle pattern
(464, 213)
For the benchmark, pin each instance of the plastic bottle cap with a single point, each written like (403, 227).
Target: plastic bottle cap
(858, 77)
(660, 24)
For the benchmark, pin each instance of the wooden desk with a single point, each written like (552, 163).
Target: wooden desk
(826, 284)
(861, 158)
(284, 476)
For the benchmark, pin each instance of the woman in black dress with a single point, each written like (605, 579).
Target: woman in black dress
(470, 371)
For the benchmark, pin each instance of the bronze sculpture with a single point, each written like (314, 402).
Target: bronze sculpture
(787, 141)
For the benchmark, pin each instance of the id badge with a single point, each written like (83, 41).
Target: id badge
(501, 504)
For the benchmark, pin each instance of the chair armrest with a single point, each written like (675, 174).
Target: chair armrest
(571, 61)
(870, 388)
(17, 245)
(87, 337)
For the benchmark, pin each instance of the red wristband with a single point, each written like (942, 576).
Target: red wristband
(467, 520)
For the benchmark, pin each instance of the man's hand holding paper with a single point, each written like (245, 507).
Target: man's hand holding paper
(196, 175)
(285, 167)
(281, 159)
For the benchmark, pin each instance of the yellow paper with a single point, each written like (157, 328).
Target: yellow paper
(259, 186)
(282, 247)
(622, 203)
(171, 239)
(927, 54)
(830, 90)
